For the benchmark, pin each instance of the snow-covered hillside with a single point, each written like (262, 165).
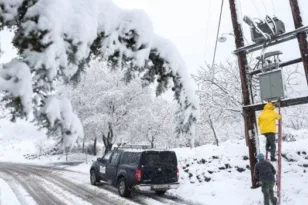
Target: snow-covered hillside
(221, 175)
(17, 139)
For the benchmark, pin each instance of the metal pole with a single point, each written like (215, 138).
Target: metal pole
(249, 116)
(301, 37)
(279, 159)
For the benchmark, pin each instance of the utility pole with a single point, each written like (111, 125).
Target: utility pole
(301, 37)
(249, 115)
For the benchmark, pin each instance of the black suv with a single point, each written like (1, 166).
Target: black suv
(141, 170)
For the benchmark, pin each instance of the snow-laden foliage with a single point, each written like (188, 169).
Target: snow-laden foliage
(105, 102)
(15, 80)
(56, 39)
(59, 112)
(220, 102)
(220, 96)
(153, 125)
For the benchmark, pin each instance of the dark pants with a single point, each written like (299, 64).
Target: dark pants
(270, 143)
(268, 192)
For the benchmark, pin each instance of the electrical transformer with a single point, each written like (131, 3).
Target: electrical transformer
(271, 85)
(262, 31)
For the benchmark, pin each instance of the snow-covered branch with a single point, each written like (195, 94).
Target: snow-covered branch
(57, 39)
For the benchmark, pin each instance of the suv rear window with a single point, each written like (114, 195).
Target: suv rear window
(131, 158)
(158, 158)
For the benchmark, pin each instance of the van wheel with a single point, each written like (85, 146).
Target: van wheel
(160, 192)
(123, 187)
(93, 178)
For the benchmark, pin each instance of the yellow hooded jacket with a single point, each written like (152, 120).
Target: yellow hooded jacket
(267, 119)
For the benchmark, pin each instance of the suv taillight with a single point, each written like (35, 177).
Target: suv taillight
(138, 175)
(177, 173)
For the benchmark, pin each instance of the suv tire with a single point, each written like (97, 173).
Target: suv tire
(93, 178)
(123, 187)
(160, 192)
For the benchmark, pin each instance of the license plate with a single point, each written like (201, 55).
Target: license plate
(161, 186)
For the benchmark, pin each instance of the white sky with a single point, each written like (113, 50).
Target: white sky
(192, 24)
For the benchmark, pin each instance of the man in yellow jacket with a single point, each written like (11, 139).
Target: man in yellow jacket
(267, 124)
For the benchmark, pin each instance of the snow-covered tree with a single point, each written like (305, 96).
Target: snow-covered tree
(105, 102)
(153, 124)
(220, 100)
(56, 39)
(220, 96)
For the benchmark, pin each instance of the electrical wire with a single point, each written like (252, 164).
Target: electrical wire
(240, 8)
(256, 8)
(264, 7)
(273, 6)
(207, 27)
(219, 23)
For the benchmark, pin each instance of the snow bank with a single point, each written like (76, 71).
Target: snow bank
(214, 175)
(7, 195)
(18, 139)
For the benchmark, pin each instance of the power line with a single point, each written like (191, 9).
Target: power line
(207, 27)
(256, 8)
(241, 9)
(273, 5)
(264, 7)
(221, 8)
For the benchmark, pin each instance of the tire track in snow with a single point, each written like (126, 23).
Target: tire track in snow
(20, 192)
(39, 193)
(60, 180)
(89, 195)
(62, 194)
(144, 198)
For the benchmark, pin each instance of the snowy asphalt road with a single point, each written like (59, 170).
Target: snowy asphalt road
(50, 186)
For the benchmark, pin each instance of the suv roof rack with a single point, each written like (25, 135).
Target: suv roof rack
(125, 146)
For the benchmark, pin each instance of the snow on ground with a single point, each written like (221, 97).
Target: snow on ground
(221, 175)
(208, 174)
(17, 139)
(7, 195)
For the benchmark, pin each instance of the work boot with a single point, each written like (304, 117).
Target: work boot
(273, 159)
(275, 201)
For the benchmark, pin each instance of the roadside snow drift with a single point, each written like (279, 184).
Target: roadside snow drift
(221, 175)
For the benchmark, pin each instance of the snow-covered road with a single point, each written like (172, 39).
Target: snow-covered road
(23, 184)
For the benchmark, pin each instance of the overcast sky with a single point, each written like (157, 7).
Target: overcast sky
(192, 24)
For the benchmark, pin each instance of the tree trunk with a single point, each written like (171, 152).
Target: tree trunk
(83, 144)
(214, 131)
(108, 140)
(94, 147)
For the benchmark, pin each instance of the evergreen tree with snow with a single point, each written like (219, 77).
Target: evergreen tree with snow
(57, 39)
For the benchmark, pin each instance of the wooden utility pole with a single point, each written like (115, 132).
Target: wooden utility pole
(249, 115)
(301, 37)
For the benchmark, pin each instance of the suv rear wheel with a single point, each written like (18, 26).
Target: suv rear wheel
(93, 178)
(123, 187)
(160, 192)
